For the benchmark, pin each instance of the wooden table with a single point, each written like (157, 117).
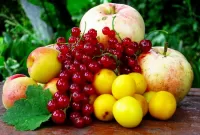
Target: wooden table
(186, 121)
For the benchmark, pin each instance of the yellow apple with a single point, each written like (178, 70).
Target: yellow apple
(43, 65)
(14, 89)
(171, 72)
(128, 21)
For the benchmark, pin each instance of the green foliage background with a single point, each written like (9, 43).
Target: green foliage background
(178, 22)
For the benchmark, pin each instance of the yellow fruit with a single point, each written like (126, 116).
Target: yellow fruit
(103, 81)
(128, 112)
(123, 86)
(103, 107)
(141, 84)
(143, 103)
(163, 105)
(148, 95)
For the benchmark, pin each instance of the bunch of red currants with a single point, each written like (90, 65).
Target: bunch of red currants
(83, 57)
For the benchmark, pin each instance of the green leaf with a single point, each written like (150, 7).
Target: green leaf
(31, 112)
(76, 6)
(12, 63)
(2, 62)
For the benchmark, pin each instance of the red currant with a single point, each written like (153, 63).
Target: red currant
(79, 122)
(89, 77)
(57, 95)
(62, 85)
(106, 30)
(89, 89)
(63, 101)
(94, 67)
(78, 78)
(72, 40)
(76, 106)
(74, 115)
(92, 32)
(75, 31)
(61, 40)
(87, 109)
(52, 105)
(64, 75)
(77, 96)
(74, 88)
(111, 33)
(145, 45)
(87, 120)
(58, 117)
(137, 68)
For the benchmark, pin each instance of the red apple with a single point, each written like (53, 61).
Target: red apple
(170, 72)
(128, 21)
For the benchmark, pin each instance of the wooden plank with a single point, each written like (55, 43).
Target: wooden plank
(186, 121)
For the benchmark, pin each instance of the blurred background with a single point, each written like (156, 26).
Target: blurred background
(28, 24)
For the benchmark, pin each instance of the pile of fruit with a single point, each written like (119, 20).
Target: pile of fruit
(101, 71)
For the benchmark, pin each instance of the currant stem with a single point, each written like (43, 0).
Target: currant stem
(113, 27)
(165, 49)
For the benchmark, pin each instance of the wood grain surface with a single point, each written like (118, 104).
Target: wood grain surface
(186, 121)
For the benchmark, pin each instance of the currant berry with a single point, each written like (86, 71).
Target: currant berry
(79, 122)
(74, 88)
(89, 89)
(75, 31)
(130, 51)
(74, 115)
(77, 96)
(82, 67)
(89, 77)
(119, 47)
(61, 40)
(145, 45)
(76, 106)
(78, 78)
(63, 49)
(93, 33)
(89, 49)
(131, 62)
(61, 57)
(87, 109)
(111, 34)
(72, 40)
(86, 59)
(57, 95)
(87, 120)
(63, 102)
(62, 85)
(126, 41)
(94, 67)
(112, 41)
(137, 68)
(58, 116)
(65, 75)
(106, 30)
(78, 55)
(52, 105)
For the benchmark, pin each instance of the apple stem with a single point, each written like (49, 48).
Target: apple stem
(165, 49)
(113, 27)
